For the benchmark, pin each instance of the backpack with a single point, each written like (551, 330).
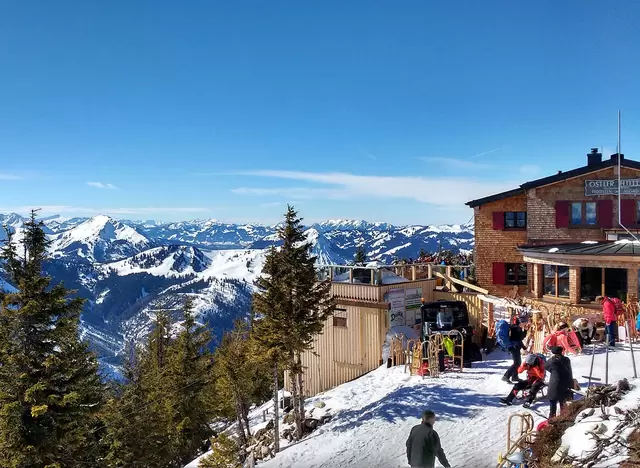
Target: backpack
(618, 304)
(502, 334)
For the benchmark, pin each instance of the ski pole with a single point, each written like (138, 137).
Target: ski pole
(606, 363)
(633, 359)
(593, 357)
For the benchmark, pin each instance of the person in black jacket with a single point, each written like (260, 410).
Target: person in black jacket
(560, 381)
(423, 444)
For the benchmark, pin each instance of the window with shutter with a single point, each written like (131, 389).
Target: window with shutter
(605, 214)
(562, 214)
(628, 212)
(498, 220)
(499, 273)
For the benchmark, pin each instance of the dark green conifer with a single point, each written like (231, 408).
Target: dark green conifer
(292, 305)
(50, 390)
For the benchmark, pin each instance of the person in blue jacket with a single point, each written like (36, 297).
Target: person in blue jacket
(638, 324)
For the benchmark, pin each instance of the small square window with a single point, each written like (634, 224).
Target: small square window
(515, 273)
(515, 219)
(340, 321)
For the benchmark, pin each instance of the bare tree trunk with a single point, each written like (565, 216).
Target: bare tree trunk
(241, 433)
(276, 410)
(294, 400)
(245, 418)
(300, 390)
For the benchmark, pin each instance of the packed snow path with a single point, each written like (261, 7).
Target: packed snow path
(374, 414)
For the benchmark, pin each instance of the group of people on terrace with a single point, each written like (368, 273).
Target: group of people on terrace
(438, 258)
(565, 339)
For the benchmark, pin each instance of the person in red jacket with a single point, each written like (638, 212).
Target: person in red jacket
(534, 366)
(609, 316)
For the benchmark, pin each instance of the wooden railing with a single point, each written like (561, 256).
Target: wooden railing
(373, 275)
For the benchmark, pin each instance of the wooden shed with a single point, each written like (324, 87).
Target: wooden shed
(351, 342)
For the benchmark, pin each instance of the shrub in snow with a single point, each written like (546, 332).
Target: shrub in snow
(225, 454)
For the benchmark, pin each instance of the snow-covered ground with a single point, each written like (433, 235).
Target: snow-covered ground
(373, 415)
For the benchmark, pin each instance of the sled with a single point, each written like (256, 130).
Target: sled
(518, 451)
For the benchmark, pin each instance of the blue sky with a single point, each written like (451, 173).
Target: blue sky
(377, 110)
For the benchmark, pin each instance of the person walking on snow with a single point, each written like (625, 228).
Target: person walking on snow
(510, 339)
(560, 381)
(534, 366)
(609, 316)
(423, 444)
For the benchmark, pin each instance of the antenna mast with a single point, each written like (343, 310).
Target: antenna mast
(620, 185)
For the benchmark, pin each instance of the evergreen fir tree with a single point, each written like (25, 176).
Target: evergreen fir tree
(50, 390)
(242, 378)
(224, 454)
(160, 416)
(292, 303)
(361, 255)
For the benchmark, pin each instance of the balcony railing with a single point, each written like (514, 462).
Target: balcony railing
(379, 275)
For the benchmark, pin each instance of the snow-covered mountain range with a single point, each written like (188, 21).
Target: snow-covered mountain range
(129, 270)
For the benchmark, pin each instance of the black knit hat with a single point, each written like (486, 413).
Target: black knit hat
(556, 349)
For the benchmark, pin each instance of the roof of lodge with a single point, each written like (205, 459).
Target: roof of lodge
(559, 177)
(608, 248)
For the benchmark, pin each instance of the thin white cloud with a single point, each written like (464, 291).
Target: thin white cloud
(367, 153)
(81, 211)
(101, 185)
(456, 163)
(488, 152)
(6, 176)
(530, 169)
(299, 193)
(453, 191)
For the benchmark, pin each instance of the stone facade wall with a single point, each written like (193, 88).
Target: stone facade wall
(497, 246)
(501, 246)
(541, 208)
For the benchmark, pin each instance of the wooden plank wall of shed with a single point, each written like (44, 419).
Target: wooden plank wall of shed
(342, 354)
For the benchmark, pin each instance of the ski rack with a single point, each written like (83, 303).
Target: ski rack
(521, 442)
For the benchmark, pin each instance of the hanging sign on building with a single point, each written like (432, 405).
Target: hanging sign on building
(396, 300)
(412, 305)
(594, 188)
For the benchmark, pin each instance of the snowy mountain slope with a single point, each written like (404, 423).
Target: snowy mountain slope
(128, 270)
(208, 234)
(99, 239)
(373, 415)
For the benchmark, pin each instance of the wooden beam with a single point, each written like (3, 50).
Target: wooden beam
(461, 283)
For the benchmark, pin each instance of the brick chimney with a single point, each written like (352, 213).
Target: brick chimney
(594, 157)
(614, 157)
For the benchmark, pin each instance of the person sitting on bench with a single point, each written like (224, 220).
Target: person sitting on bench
(534, 366)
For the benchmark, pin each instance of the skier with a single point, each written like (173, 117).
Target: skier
(423, 444)
(585, 331)
(534, 366)
(560, 382)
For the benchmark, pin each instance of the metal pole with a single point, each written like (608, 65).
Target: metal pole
(633, 359)
(606, 362)
(593, 357)
(620, 186)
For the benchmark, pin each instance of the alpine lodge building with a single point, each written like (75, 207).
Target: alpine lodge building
(563, 237)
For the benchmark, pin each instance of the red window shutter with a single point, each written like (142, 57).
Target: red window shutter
(498, 273)
(562, 214)
(605, 214)
(498, 220)
(628, 209)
